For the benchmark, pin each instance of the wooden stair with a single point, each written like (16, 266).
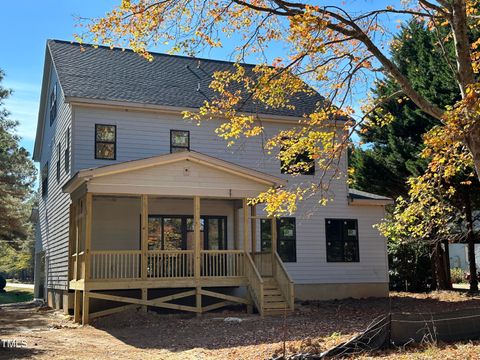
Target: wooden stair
(273, 301)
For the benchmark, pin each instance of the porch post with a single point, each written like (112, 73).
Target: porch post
(144, 245)
(245, 225)
(88, 241)
(274, 244)
(253, 211)
(196, 232)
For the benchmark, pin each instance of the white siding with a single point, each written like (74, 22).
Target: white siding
(54, 208)
(144, 134)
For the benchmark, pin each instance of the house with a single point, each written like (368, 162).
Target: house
(139, 207)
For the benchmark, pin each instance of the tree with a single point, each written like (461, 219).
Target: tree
(392, 154)
(394, 149)
(333, 48)
(17, 176)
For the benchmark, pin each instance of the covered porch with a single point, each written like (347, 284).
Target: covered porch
(192, 230)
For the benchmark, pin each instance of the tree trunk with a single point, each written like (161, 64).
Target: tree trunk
(473, 143)
(441, 273)
(470, 242)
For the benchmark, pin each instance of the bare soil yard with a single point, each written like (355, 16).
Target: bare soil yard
(136, 335)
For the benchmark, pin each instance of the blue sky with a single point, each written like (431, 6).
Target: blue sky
(24, 28)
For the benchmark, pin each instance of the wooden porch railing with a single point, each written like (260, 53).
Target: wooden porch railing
(115, 264)
(222, 263)
(263, 262)
(255, 282)
(170, 264)
(284, 281)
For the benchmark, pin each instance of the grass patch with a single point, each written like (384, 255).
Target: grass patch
(13, 295)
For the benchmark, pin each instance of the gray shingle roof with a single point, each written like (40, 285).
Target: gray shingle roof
(169, 80)
(358, 194)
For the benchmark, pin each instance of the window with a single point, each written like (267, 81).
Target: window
(342, 240)
(45, 179)
(286, 237)
(53, 104)
(179, 140)
(59, 152)
(67, 151)
(105, 142)
(177, 232)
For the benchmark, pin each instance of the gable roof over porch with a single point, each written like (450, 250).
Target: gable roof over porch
(184, 173)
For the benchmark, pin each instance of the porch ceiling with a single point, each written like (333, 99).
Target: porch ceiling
(186, 173)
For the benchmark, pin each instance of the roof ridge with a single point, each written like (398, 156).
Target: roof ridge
(155, 53)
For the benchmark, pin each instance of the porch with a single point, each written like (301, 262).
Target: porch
(192, 243)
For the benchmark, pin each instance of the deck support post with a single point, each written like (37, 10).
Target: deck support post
(144, 245)
(77, 306)
(86, 308)
(245, 225)
(196, 231)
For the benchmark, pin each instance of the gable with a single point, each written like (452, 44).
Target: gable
(178, 178)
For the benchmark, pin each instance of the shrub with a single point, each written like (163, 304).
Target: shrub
(3, 283)
(457, 275)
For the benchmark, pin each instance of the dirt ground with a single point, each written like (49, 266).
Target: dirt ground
(135, 335)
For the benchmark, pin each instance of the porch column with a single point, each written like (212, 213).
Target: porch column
(88, 241)
(245, 225)
(144, 245)
(253, 211)
(196, 233)
(274, 244)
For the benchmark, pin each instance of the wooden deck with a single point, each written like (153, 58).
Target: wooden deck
(93, 273)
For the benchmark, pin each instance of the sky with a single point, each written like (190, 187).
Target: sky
(24, 28)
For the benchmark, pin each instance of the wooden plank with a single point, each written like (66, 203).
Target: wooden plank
(274, 244)
(88, 235)
(176, 296)
(253, 213)
(112, 311)
(196, 229)
(144, 235)
(86, 308)
(152, 302)
(198, 300)
(77, 306)
(215, 306)
(230, 298)
(245, 224)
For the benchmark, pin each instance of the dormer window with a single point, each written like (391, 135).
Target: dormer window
(53, 104)
(179, 140)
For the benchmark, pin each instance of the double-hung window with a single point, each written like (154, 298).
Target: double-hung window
(105, 142)
(44, 175)
(67, 151)
(286, 237)
(53, 104)
(59, 154)
(342, 240)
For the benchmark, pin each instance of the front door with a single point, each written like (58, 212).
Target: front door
(176, 232)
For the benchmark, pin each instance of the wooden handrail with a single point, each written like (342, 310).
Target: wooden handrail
(222, 251)
(255, 282)
(99, 252)
(282, 266)
(257, 274)
(286, 284)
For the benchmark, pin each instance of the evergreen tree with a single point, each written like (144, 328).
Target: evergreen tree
(17, 176)
(392, 153)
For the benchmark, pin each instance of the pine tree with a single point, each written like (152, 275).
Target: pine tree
(392, 153)
(17, 176)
